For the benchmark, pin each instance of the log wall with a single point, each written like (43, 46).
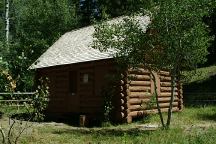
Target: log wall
(87, 99)
(139, 90)
(133, 92)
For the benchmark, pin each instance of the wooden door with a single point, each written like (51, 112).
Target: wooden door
(73, 95)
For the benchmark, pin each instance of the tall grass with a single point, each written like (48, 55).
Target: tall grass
(194, 125)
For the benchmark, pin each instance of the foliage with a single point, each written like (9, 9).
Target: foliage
(176, 39)
(182, 36)
(200, 75)
(210, 20)
(114, 8)
(40, 100)
(39, 24)
(34, 26)
(108, 107)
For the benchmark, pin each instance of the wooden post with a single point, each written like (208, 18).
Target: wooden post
(82, 120)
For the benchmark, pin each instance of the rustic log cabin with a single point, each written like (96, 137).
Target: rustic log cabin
(79, 75)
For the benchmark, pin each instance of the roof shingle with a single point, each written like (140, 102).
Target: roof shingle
(75, 47)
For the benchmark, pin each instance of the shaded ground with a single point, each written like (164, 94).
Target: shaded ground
(201, 87)
(192, 125)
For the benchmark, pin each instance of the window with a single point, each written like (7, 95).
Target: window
(73, 82)
(85, 78)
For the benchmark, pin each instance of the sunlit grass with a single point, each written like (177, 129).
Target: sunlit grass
(199, 75)
(194, 125)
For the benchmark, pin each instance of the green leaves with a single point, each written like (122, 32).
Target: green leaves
(40, 100)
(182, 31)
(35, 25)
(176, 39)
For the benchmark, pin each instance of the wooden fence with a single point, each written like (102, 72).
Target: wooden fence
(199, 97)
(14, 101)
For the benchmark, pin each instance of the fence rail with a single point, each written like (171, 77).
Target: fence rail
(17, 93)
(199, 97)
(16, 102)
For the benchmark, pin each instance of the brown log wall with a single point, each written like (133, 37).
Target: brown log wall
(134, 90)
(88, 98)
(139, 89)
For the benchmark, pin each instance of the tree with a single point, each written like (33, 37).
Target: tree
(7, 20)
(183, 35)
(35, 25)
(176, 39)
(210, 20)
(2, 24)
(115, 8)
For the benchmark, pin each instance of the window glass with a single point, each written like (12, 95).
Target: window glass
(85, 78)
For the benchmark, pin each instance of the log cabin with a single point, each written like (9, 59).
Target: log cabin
(79, 76)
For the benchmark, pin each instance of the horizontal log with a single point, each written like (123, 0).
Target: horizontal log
(163, 105)
(88, 100)
(123, 76)
(90, 110)
(139, 94)
(122, 115)
(139, 77)
(165, 73)
(167, 94)
(167, 99)
(180, 96)
(165, 84)
(165, 78)
(122, 95)
(140, 83)
(154, 111)
(138, 101)
(165, 89)
(138, 71)
(122, 108)
(90, 104)
(122, 101)
(127, 92)
(180, 91)
(121, 88)
(122, 82)
(144, 106)
(147, 99)
(139, 88)
(146, 112)
(136, 107)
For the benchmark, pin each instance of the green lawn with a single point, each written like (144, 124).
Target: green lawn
(200, 75)
(192, 125)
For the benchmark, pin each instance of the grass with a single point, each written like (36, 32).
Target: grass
(192, 125)
(201, 74)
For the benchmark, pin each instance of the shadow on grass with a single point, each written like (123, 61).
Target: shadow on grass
(69, 119)
(1, 114)
(200, 92)
(104, 132)
(206, 116)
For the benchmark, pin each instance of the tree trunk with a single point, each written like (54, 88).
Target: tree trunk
(7, 20)
(3, 135)
(173, 83)
(157, 102)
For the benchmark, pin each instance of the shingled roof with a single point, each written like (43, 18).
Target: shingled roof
(75, 47)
